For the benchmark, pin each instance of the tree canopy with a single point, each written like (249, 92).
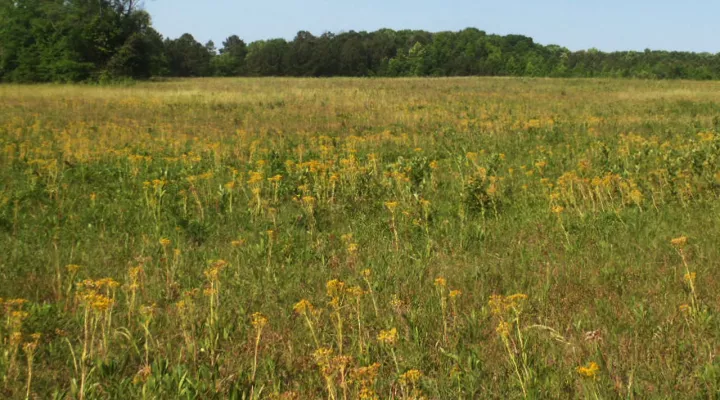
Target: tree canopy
(76, 40)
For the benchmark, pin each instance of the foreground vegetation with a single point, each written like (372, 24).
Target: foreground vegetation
(341, 239)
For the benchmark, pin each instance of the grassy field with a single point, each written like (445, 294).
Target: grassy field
(360, 238)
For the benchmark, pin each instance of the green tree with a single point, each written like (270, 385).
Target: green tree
(231, 61)
(187, 57)
(266, 57)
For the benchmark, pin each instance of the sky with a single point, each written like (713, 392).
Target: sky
(608, 25)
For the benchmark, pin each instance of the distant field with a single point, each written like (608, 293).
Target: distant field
(360, 238)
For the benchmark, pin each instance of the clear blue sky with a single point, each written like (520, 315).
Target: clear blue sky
(689, 25)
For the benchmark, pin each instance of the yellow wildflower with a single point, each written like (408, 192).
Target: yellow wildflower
(388, 337)
(72, 268)
(689, 278)
(412, 376)
(255, 177)
(259, 320)
(322, 356)
(589, 371)
(679, 242)
(517, 296)
(302, 306)
(335, 287)
(391, 205)
(503, 328)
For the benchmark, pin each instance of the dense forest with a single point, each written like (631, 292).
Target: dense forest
(99, 40)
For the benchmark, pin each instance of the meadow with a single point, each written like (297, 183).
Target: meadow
(360, 239)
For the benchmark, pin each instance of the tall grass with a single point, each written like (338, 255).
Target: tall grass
(360, 238)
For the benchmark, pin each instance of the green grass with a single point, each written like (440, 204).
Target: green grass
(567, 191)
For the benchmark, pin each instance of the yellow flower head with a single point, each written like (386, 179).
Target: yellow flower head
(388, 337)
(335, 287)
(259, 320)
(497, 304)
(366, 375)
(100, 303)
(689, 278)
(455, 293)
(341, 362)
(136, 272)
(106, 282)
(412, 376)
(589, 371)
(164, 242)
(440, 282)
(255, 177)
(391, 205)
(15, 303)
(516, 297)
(303, 306)
(503, 329)
(322, 356)
(396, 303)
(366, 273)
(355, 291)
(213, 272)
(72, 268)
(679, 242)
(181, 305)
(15, 338)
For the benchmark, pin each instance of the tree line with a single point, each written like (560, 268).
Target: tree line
(80, 40)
